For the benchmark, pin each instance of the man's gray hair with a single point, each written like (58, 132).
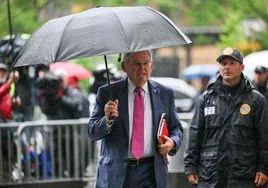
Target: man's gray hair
(126, 55)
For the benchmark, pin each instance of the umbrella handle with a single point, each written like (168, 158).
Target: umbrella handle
(108, 78)
(110, 115)
(109, 85)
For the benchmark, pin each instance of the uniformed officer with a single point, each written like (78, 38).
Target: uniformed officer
(228, 139)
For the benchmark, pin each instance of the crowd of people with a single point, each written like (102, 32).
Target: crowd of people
(57, 95)
(227, 144)
(43, 95)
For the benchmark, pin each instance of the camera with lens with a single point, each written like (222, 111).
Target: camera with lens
(48, 88)
(48, 85)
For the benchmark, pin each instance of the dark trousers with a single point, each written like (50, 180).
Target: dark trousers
(141, 176)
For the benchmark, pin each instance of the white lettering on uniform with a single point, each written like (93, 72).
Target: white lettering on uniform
(209, 110)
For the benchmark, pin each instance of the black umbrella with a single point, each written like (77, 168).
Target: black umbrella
(100, 31)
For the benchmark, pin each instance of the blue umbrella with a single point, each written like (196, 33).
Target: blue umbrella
(198, 71)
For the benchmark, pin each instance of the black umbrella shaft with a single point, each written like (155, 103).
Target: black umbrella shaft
(108, 78)
(11, 41)
(10, 29)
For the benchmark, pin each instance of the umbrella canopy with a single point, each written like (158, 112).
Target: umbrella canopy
(198, 71)
(251, 61)
(100, 31)
(72, 69)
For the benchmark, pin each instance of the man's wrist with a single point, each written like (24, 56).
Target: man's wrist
(109, 122)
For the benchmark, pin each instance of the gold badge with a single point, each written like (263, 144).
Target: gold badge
(228, 51)
(244, 109)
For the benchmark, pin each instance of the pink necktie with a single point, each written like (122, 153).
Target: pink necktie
(137, 148)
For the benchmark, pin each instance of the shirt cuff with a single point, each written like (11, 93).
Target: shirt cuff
(173, 150)
(109, 124)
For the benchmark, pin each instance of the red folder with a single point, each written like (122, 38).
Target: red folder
(162, 129)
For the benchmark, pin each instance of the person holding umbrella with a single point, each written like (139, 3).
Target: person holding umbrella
(7, 102)
(227, 144)
(127, 126)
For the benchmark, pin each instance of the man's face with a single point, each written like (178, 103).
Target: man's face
(230, 70)
(260, 78)
(138, 67)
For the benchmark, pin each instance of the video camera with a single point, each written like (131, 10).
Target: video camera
(48, 84)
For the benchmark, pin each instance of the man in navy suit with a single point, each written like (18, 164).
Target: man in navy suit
(117, 166)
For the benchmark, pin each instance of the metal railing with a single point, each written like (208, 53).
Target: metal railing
(7, 150)
(56, 150)
(48, 151)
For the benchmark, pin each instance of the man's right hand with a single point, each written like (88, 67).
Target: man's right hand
(193, 178)
(111, 109)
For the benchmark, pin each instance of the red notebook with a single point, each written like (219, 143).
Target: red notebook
(162, 129)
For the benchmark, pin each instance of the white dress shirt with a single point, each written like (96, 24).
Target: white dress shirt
(148, 120)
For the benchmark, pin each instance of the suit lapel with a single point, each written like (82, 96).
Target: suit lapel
(123, 106)
(155, 102)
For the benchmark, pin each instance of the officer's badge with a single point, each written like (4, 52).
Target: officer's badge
(244, 109)
(228, 51)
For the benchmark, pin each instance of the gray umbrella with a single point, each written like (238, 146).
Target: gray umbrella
(100, 31)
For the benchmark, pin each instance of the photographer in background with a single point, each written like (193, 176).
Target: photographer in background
(56, 98)
(74, 82)
(7, 103)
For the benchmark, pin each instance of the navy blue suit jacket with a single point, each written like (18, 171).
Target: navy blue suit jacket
(112, 163)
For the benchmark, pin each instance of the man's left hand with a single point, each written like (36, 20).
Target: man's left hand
(260, 179)
(167, 146)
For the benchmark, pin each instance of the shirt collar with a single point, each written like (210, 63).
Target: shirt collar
(132, 87)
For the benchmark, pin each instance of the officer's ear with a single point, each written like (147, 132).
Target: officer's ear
(242, 67)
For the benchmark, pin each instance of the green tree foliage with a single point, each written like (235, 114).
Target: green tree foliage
(23, 20)
(25, 14)
(227, 14)
(233, 32)
(201, 13)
